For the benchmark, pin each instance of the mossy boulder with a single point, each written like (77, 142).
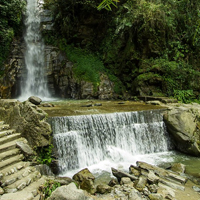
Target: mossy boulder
(183, 126)
(86, 180)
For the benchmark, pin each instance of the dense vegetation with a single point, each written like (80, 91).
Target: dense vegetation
(146, 47)
(152, 47)
(10, 25)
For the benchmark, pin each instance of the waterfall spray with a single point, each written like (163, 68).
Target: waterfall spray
(35, 82)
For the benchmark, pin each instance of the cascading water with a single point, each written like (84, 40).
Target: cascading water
(83, 141)
(35, 82)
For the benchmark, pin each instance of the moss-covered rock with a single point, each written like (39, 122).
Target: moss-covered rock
(86, 180)
(182, 124)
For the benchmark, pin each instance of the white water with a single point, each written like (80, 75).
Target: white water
(35, 82)
(100, 142)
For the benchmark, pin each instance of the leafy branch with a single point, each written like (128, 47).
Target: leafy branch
(106, 4)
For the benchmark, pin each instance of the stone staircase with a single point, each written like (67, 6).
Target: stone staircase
(18, 179)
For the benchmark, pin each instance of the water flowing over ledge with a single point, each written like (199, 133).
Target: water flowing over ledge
(89, 140)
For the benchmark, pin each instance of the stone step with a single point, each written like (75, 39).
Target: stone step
(30, 192)
(14, 168)
(6, 132)
(11, 161)
(11, 145)
(21, 184)
(8, 180)
(8, 154)
(4, 127)
(9, 138)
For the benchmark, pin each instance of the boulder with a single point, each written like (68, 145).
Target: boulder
(152, 178)
(135, 195)
(62, 180)
(141, 183)
(68, 192)
(183, 126)
(196, 189)
(103, 189)
(1, 191)
(113, 182)
(86, 180)
(25, 148)
(134, 170)
(162, 172)
(88, 185)
(119, 174)
(27, 119)
(166, 192)
(178, 168)
(155, 197)
(127, 181)
(35, 100)
(153, 188)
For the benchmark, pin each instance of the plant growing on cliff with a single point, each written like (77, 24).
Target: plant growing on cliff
(45, 155)
(10, 24)
(87, 66)
(47, 189)
(184, 96)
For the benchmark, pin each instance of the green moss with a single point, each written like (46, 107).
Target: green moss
(87, 66)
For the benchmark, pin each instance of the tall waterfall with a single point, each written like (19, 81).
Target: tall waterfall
(35, 82)
(82, 141)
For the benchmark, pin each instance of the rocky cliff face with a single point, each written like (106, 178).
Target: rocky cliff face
(59, 71)
(61, 80)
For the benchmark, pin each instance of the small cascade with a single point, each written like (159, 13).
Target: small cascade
(34, 82)
(82, 141)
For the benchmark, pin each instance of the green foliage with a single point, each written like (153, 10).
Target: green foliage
(45, 155)
(10, 24)
(87, 66)
(118, 85)
(106, 4)
(184, 96)
(48, 188)
(153, 41)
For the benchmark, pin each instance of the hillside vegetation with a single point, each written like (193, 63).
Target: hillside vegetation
(149, 47)
(10, 26)
(146, 47)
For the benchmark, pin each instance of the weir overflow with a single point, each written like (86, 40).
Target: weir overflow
(85, 140)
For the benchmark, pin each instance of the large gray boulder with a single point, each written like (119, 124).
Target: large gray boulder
(27, 119)
(35, 100)
(68, 192)
(183, 124)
